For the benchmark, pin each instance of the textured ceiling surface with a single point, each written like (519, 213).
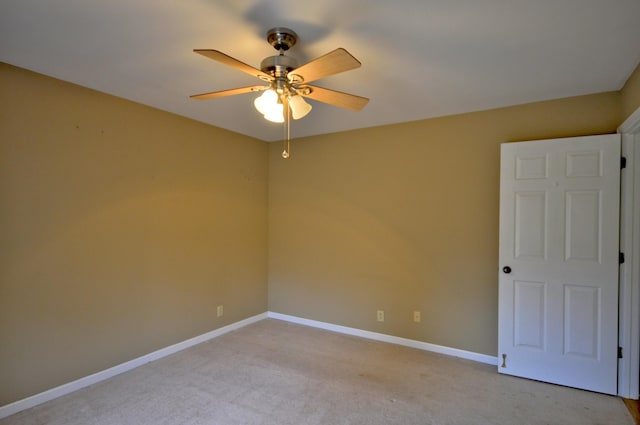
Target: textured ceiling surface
(420, 58)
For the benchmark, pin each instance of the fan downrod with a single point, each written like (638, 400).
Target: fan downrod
(282, 39)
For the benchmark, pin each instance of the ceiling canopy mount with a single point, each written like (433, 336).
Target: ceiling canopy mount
(282, 39)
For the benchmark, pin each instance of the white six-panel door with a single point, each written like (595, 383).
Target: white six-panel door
(558, 286)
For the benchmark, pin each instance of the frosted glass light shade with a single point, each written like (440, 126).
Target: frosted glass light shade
(265, 101)
(299, 108)
(267, 104)
(275, 113)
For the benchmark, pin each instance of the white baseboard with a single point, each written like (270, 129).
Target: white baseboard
(70, 387)
(455, 352)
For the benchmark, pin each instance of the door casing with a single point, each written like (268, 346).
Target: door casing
(629, 291)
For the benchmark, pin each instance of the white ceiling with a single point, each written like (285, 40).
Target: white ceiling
(420, 58)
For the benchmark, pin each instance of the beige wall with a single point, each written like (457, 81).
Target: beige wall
(121, 229)
(631, 94)
(123, 226)
(405, 217)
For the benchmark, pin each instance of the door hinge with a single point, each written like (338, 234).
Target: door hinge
(621, 258)
(623, 162)
(619, 352)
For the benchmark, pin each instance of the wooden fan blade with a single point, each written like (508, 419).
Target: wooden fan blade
(230, 92)
(332, 63)
(337, 98)
(232, 62)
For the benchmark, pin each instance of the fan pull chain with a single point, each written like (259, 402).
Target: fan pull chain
(286, 153)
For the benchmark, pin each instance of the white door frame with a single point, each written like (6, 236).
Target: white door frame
(629, 329)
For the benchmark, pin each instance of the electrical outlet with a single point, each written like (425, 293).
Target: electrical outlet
(220, 311)
(416, 316)
(380, 315)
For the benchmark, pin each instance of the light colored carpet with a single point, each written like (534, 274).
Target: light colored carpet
(273, 372)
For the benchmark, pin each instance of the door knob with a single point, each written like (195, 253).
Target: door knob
(506, 269)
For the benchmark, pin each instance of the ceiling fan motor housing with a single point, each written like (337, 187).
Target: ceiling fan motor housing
(279, 65)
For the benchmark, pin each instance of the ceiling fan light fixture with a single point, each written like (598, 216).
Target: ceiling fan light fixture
(299, 108)
(282, 99)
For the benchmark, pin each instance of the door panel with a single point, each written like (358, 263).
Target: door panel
(530, 226)
(581, 307)
(529, 309)
(558, 302)
(582, 226)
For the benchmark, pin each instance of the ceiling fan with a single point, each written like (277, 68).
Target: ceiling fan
(286, 83)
